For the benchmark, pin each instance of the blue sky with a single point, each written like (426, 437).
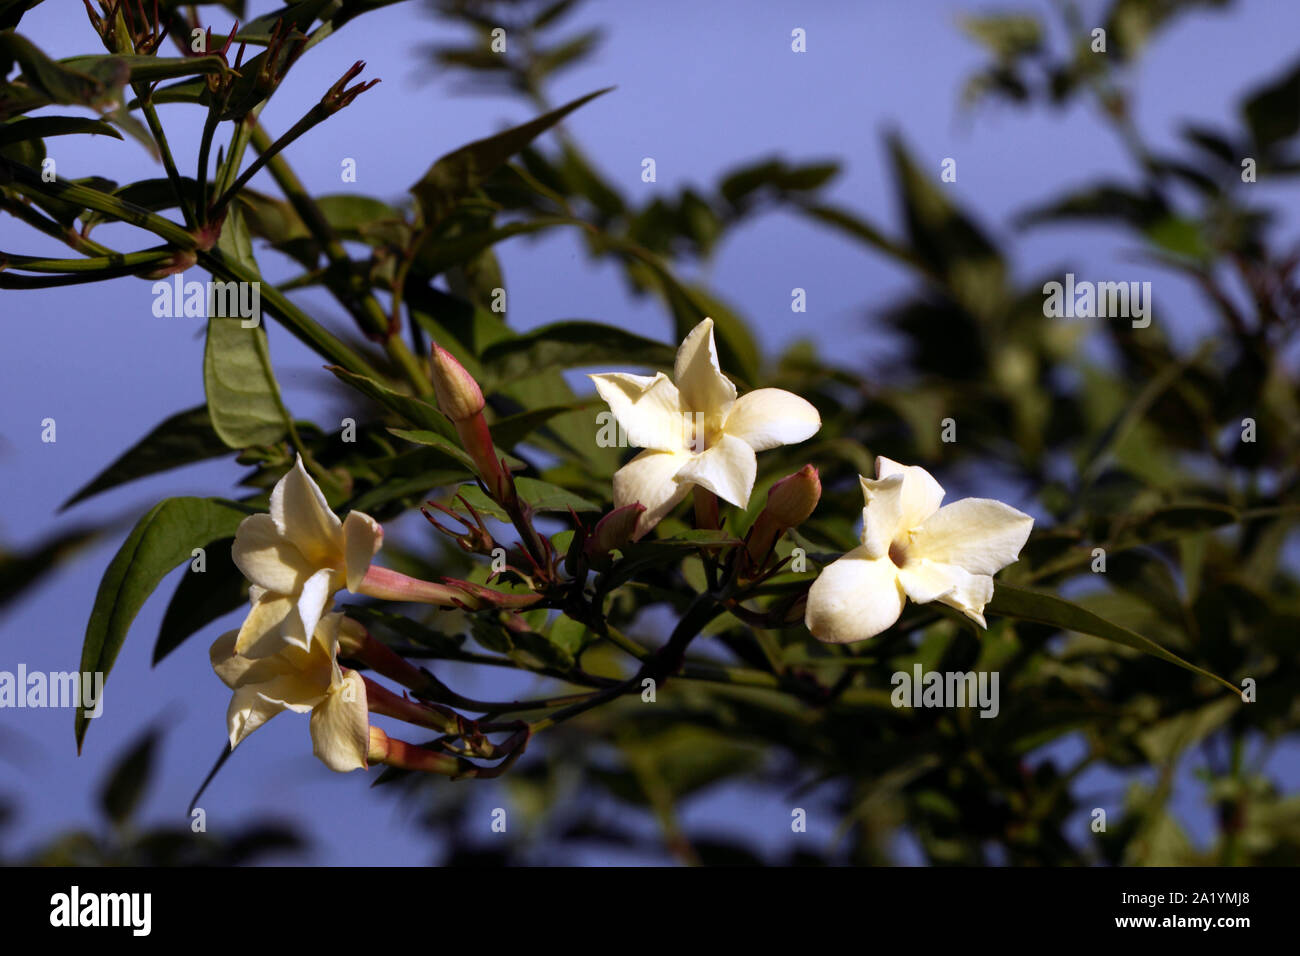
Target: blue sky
(701, 88)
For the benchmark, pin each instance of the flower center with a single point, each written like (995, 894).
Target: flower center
(898, 552)
(695, 432)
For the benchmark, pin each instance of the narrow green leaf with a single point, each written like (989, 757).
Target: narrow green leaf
(164, 538)
(538, 495)
(40, 127)
(201, 598)
(183, 439)
(574, 344)
(128, 780)
(414, 410)
(1053, 611)
(513, 429)
(461, 172)
(243, 398)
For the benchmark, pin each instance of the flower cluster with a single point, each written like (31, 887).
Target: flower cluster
(697, 433)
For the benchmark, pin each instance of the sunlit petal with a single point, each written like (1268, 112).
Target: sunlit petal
(272, 621)
(978, 534)
(340, 726)
(921, 495)
(699, 378)
(883, 514)
(247, 711)
(302, 515)
(648, 409)
(362, 538)
(267, 558)
(768, 417)
(651, 479)
(854, 598)
(727, 469)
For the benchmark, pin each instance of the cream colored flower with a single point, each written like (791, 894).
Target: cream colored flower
(912, 548)
(696, 431)
(301, 680)
(296, 557)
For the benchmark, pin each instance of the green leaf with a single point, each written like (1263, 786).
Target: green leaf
(538, 495)
(152, 194)
(183, 439)
(11, 11)
(1053, 611)
(146, 69)
(510, 431)
(574, 344)
(129, 779)
(201, 598)
(19, 130)
(414, 410)
(238, 379)
(243, 398)
(1273, 113)
(1006, 36)
(435, 440)
(459, 173)
(437, 255)
(1174, 521)
(19, 570)
(953, 247)
(50, 82)
(164, 538)
(739, 186)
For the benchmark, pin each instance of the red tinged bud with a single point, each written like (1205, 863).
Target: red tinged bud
(614, 531)
(459, 396)
(793, 499)
(461, 400)
(790, 502)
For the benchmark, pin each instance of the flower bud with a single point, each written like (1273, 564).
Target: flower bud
(398, 753)
(614, 530)
(461, 400)
(793, 499)
(459, 396)
(789, 503)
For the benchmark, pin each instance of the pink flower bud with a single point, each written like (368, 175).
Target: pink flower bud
(789, 503)
(459, 396)
(793, 499)
(461, 400)
(614, 530)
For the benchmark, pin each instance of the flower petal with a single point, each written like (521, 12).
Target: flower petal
(699, 378)
(922, 495)
(648, 409)
(362, 538)
(727, 469)
(855, 598)
(272, 623)
(235, 669)
(768, 417)
(980, 535)
(971, 596)
(302, 515)
(882, 515)
(651, 478)
(340, 726)
(267, 558)
(313, 601)
(247, 711)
